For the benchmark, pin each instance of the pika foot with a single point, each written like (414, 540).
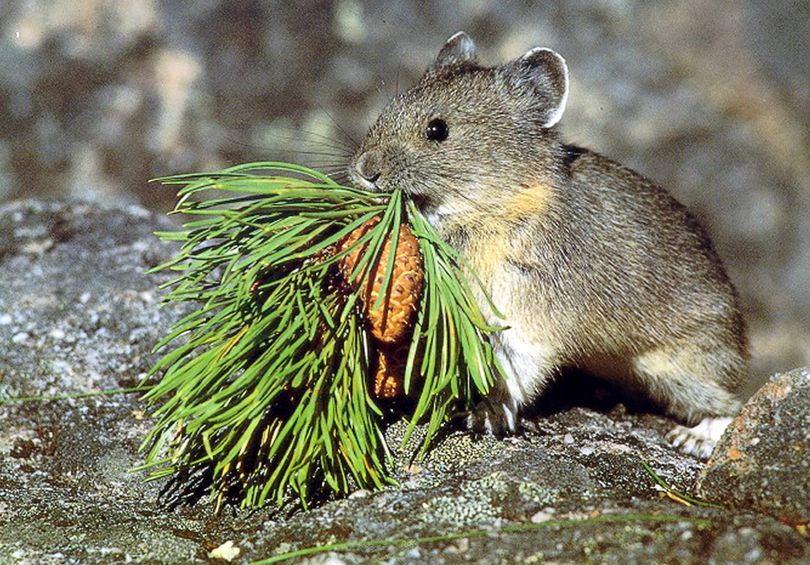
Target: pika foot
(489, 418)
(699, 441)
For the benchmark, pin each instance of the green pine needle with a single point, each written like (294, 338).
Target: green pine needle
(265, 385)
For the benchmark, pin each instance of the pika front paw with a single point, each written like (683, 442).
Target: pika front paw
(497, 419)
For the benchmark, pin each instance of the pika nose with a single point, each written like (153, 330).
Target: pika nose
(369, 165)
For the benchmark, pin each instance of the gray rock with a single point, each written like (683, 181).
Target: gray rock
(763, 459)
(571, 489)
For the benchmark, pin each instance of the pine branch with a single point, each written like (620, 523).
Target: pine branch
(265, 385)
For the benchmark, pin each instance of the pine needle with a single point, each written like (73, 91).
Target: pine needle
(266, 384)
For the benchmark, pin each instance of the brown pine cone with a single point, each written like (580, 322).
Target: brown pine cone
(393, 320)
(389, 380)
(391, 324)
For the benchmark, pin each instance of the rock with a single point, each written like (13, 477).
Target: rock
(571, 488)
(763, 459)
(75, 285)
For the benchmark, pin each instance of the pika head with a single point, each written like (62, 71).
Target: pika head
(465, 128)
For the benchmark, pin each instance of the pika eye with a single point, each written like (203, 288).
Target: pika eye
(436, 130)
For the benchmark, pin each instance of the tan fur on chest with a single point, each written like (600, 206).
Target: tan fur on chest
(487, 252)
(492, 229)
(494, 235)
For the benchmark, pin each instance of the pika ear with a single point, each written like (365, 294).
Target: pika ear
(545, 74)
(459, 48)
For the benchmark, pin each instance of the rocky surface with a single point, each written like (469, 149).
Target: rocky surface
(764, 460)
(79, 314)
(711, 98)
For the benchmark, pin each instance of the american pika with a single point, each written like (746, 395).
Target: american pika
(592, 265)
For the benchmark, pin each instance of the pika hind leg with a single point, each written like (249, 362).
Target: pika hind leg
(695, 387)
(527, 368)
(689, 383)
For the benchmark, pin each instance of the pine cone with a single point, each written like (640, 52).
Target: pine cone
(389, 380)
(393, 320)
(391, 324)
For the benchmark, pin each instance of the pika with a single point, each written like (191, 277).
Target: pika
(591, 264)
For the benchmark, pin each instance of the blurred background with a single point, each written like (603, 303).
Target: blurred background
(711, 98)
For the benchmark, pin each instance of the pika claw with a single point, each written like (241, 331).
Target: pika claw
(699, 441)
(498, 420)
